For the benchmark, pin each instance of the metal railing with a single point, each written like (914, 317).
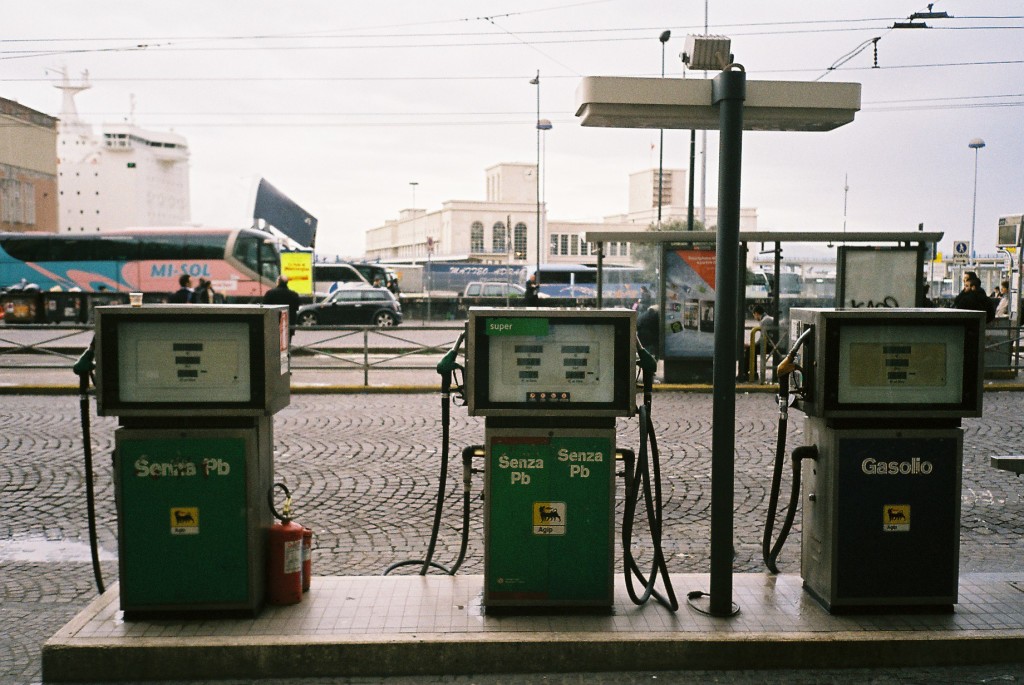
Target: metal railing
(369, 348)
(344, 348)
(329, 355)
(1002, 349)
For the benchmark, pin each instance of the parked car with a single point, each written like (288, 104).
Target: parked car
(493, 289)
(356, 305)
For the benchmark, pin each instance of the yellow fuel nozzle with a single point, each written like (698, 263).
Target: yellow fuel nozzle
(787, 366)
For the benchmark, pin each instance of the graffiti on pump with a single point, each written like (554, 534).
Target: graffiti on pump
(208, 466)
(171, 270)
(888, 302)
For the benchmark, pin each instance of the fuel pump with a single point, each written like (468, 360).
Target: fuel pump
(194, 389)
(550, 384)
(884, 392)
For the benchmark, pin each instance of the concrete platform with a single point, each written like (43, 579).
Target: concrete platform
(359, 626)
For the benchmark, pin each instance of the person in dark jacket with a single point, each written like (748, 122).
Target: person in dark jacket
(182, 295)
(282, 294)
(973, 297)
(531, 298)
(203, 294)
(648, 330)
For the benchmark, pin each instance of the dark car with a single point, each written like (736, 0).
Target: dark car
(358, 305)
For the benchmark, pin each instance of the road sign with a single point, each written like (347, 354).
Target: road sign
(961, 251)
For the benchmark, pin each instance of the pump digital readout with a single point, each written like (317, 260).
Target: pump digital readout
(879, 364)
(554, 367)
(894, 363)
(161, 362)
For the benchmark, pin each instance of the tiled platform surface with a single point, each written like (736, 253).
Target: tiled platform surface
(412, 625)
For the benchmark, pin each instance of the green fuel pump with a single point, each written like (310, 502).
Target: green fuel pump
(883, 391)
(194, 389)
(550, 384)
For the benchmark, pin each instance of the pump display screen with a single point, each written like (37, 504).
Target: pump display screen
(566, 365)
(167, 362)
(183, 360)
(552, 363)
(900, 364)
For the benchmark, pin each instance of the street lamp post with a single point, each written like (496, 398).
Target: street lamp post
(975, 144)
(542, 125)
(661, 132)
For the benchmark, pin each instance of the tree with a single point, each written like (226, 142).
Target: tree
(648, 255)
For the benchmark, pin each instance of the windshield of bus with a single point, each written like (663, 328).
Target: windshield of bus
(259, 255)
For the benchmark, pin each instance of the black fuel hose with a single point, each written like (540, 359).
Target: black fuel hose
(446, 367)
(646, 472)
(83, 367)
(770, 553)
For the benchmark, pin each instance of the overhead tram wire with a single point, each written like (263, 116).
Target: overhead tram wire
(165, 44)
(342, 34)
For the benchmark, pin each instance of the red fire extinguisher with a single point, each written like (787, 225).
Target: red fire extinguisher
(307, 558)
(284, 553)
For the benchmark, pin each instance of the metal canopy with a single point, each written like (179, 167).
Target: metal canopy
(765, 237)
(628, 102)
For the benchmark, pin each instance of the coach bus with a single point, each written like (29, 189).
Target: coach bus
(240, 263)
(580, 280)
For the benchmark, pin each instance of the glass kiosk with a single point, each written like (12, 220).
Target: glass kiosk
(550, 384)
(884, 391)
(195, 389)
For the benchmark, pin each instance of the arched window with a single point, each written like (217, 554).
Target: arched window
(519, 241)
(476, 237)
(498, 243)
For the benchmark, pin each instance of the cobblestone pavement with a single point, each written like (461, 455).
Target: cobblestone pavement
(363, 471)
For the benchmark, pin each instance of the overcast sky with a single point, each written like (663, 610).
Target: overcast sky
(343, 105)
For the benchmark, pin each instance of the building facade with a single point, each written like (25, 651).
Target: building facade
(28, 169)
(124, 176)
(502, 229)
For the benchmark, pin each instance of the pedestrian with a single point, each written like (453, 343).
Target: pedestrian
(531, 298)
(282, 294)
(645, 301)
(1003, 306)
(928, 302)
(183, 295)
(648, 330)
(203, 294)
(974, 298)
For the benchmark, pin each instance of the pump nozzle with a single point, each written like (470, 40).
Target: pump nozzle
(788, 365)
(648, 364)
(448, 364)
(85, 363)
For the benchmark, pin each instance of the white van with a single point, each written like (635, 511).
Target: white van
(328, 277)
